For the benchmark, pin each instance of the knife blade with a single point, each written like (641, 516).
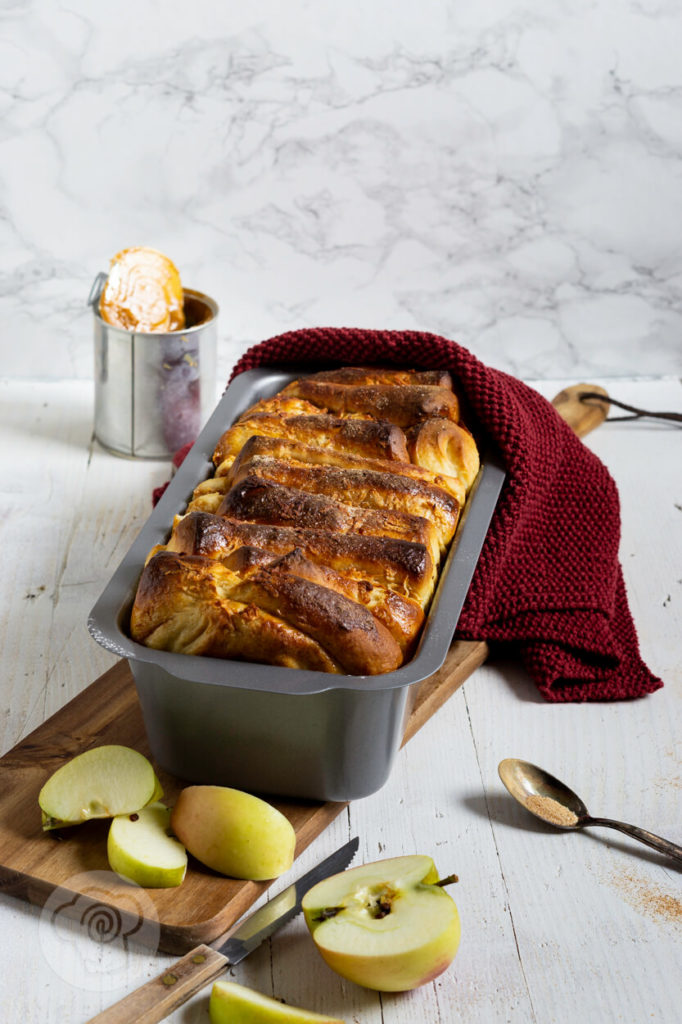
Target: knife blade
(157, 998)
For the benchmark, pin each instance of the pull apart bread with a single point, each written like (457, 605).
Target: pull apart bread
(317, 542)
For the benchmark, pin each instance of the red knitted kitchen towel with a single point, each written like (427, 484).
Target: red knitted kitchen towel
(548, 580)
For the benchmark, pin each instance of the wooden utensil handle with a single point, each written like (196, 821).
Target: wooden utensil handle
(582, 416)
(159, 997)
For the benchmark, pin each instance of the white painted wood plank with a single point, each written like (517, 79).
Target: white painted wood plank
(572, 896)
(597, 914)
(433, 803)
(44, 458)
(70, 511)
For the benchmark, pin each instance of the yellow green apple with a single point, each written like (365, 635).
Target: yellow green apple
(233, 832)
(140, 849)
(387, 925)
(234, 1004)
(99, 783)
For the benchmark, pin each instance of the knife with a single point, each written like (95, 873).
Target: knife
(159, 997)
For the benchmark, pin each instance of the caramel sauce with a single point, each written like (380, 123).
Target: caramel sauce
(196, 310)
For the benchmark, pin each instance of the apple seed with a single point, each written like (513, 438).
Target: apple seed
(380, 902)
(328, 912)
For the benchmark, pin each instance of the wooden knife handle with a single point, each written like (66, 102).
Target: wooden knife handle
(159, 997)
(582, 416)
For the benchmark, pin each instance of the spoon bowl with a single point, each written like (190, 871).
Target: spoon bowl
(553, 802)
(542, 794)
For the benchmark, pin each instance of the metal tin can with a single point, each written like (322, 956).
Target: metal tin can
(154, 392)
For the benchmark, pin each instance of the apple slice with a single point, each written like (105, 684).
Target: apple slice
(99, 783)
(233, 1004)
(386, 925)
(233, 832)
(140, 849)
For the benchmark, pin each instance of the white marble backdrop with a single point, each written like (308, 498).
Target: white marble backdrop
(505, 173)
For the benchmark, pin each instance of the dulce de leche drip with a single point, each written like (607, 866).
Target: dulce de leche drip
(143, 292)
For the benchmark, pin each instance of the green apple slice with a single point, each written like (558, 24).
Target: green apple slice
(233, 1004)
(140, 849)
(99, 783)
(233, 832)
(384, 925)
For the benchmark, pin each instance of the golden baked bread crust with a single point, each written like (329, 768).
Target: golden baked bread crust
(402, 566)
(283, 448)
(404, 405)
(179, 607)
(402, 616)
(307, 622)
(266, 501)
(317, 541)
(384, 375)
(364, 488)
(372, 439)
(445, 447)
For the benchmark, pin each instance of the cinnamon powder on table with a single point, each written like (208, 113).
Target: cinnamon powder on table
(551, 810)
(646, 898)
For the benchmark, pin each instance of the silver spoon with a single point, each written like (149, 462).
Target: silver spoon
(553, 802)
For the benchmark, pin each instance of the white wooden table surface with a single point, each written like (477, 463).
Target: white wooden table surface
(556, 927)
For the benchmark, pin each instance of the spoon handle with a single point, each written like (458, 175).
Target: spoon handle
(662, 845)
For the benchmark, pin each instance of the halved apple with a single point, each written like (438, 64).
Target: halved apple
(386, 925)
(233, 832)
(234, 1004)
(140, 849)
(99, 783)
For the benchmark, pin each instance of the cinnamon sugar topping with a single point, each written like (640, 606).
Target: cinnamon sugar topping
(551, 810)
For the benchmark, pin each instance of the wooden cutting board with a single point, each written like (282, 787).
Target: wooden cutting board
(70, 871)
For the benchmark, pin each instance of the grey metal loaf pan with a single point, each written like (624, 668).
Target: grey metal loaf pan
(264, 728)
